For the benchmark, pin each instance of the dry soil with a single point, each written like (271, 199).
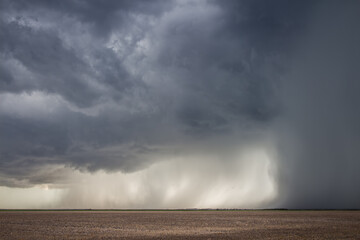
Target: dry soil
(180, 224)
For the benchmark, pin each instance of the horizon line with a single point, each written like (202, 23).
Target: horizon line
(179, 209)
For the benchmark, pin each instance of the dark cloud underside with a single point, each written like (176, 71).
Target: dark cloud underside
(119, 85)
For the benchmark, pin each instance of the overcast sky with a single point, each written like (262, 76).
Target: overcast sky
(179, 104)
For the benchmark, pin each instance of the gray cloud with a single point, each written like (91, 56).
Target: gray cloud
(122, 85)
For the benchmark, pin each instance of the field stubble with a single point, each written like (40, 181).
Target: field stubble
(180, 224)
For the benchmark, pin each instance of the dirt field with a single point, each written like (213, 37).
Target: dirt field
(180, 225)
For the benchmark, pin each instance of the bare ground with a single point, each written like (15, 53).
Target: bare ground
(180, 225)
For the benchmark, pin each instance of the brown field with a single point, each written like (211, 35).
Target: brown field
(180, 224)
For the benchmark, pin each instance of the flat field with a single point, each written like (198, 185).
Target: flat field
(180, 224)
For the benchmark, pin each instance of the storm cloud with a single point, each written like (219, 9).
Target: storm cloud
(183, 101)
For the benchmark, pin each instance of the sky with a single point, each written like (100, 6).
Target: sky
(179, 104)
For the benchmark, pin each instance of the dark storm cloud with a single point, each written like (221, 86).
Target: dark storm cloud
(50, 63)
(267, 26)
(221, 66)
(60, 52)
(102, 16)
(55, 68)
(119, 85)
(211, 79)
